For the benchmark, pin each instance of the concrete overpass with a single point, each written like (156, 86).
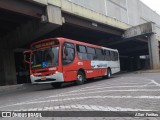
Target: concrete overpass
(33, 20)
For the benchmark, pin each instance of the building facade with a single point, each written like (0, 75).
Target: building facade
(132, 12)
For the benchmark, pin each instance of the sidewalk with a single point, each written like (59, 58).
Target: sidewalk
(13, 87)
(26, 86)
(149, 71)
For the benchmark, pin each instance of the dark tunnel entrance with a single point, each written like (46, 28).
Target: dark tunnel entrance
(22, 69)
(130, 51)
(10, 22)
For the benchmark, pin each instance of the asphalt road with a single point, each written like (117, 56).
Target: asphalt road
(123, 92)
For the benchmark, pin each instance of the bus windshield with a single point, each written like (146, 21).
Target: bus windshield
(45, 58)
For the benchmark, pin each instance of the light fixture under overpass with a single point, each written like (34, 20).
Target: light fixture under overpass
(44, 19)
(94, 24)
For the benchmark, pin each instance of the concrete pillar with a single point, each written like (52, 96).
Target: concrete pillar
(153, 51)
(159, 49)
(7, 67)
(147, 62)
(54, 15)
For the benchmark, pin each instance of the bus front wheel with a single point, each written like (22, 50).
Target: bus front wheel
(56, 85)
(80, 78)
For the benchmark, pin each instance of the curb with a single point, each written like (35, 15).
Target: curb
(8, 88)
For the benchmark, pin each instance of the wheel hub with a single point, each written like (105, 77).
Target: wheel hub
(80, 77)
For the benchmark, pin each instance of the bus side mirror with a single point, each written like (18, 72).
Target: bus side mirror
(27, 56)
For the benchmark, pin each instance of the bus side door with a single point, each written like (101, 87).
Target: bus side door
(68, 62)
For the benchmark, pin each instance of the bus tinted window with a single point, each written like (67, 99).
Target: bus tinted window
(82, 49)
(99, 54)
(90, 50)
(116, 56)
(69, 45)
(68, 53)
(112, 56)
(99, 51)
(108, 57)
(91, 53)
(81, 52)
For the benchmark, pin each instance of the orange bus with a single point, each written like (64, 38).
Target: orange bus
(59, 60)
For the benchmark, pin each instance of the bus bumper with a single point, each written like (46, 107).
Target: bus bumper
(58, 77)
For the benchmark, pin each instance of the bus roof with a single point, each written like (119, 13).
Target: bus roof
(73, 41)
(86, 44)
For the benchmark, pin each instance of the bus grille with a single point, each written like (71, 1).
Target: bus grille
(47, 80)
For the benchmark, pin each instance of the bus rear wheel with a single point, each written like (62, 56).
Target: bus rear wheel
(56, 85)
(80, 78)
(108, 73)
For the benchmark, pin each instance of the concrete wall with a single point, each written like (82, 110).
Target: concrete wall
(147, 14)
(117, 9)
(92, 4)
(132, 12)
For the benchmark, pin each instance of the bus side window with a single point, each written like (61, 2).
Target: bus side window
(99, 54)
(108, 57)
(82, 53)
(68, 53)
(112, 56)
(91, 53)
(116, 56)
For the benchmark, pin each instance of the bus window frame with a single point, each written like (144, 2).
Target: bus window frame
(43, 48)
(78, 45)
(94, 57)
(100, 54)
(109, 51)
(62, 53)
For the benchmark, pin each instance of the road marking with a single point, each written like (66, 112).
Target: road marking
(62, 94)
(152, 81)
(85, 89)
(85, 107)
(94, 92)
(100, 85)
(157, 84)
(111, 87)
(88, 97)
(48, 108)
(108, 85)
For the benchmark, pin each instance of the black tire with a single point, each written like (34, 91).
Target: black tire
(109, 73)
(80, 78)
(56, 85)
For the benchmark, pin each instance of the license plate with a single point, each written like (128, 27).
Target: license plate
(44, 78)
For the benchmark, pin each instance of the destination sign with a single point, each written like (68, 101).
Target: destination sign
(45, 44)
